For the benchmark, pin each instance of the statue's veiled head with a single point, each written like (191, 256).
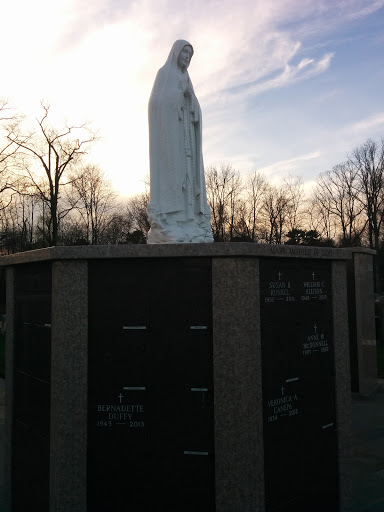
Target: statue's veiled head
(185, 57)
(180, 55)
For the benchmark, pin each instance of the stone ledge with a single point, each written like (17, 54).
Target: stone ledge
(214, 250)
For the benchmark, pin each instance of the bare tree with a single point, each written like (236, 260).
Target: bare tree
(118, 229)
(45, 155)
(276, 206)
(8, 150)
(318, 217)
(367, 161)
(18, 224)
(73, 232)
(247, 222)
(338, 192)
(293, 187)
(93, 197)
(223, 193)
(255, 189)
(137, 212)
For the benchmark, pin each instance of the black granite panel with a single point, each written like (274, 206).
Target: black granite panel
(33, 313)
(31, 387)
(30, 453)
(32, 405)
(33, 279)
(150, 411)
(2, 290)
(33, 350)
(298, 386)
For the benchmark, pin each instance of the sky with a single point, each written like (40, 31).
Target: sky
(286, 87)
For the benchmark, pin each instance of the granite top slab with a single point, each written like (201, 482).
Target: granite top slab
(213, 250)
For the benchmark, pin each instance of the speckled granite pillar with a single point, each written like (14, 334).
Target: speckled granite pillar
(239, 462)
(343, 389)
(68, 462)
(365, 322)
(9, 347)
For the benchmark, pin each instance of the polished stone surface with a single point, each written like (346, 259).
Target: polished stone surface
(2, 436)
(239, 457)
(216, 250)
(365, 322)
(367, 450)
(342, 384)
(8, 396)
(69, 384)
(237, 362)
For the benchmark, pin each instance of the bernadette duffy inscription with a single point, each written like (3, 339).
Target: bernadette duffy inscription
(122, 413)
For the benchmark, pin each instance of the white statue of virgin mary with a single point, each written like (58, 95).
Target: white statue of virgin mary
(178, 210)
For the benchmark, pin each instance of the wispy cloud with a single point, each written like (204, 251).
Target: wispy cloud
(366, 125)
(366, 10)
(327, 95)
(98, 60)
(306, 68)
(288, 166)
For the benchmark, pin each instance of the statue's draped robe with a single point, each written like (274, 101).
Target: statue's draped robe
(177, 192)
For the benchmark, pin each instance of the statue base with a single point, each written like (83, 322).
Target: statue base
(179, 232)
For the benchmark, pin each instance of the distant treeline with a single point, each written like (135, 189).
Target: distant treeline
(48, 196)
